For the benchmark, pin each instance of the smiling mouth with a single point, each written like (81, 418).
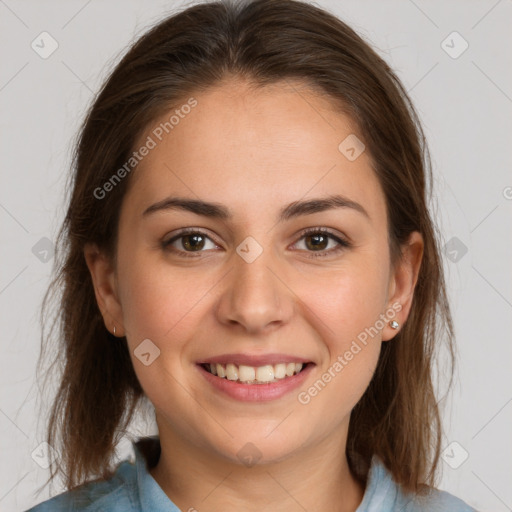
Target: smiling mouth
(266, 374)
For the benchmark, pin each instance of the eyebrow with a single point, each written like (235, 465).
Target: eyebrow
(219, 211)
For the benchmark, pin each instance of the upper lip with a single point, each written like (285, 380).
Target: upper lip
(254, 360)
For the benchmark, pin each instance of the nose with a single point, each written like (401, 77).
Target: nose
(255, 296)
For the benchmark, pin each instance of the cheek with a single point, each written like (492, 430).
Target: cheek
(346, 301)
(163, 305)
(346, 305)
(346, 309)
(156, 297)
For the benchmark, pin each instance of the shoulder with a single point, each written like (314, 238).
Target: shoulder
(383, 494)
(118, 493)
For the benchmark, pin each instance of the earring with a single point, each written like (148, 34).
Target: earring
(393, 324)
(114, 330)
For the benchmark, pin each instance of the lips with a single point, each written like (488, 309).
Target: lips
(255, 390)
(250, 377)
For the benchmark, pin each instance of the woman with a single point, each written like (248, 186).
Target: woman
(248, 247)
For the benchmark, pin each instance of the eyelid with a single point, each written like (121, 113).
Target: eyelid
(327, 231)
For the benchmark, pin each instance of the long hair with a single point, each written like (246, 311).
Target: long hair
(264, 42)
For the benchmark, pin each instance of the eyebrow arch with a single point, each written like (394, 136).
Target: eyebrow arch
(219, 211)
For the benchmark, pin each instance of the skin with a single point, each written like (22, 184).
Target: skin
(254, 151)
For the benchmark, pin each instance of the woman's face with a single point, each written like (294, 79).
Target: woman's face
(250, 288)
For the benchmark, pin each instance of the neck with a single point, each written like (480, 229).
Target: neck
(315, 479)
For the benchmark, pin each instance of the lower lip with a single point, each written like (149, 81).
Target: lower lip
(256, 392)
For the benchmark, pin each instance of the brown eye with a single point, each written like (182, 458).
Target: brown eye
(317, 242)
(188, 242)
(193, 242)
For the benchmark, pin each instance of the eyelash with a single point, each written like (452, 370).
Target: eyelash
(343, 244)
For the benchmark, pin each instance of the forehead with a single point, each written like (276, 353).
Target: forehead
(249, 146)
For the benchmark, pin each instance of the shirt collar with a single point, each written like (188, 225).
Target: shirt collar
(152, 497)
(379, 487)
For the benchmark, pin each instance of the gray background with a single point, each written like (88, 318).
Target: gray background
(465, 104)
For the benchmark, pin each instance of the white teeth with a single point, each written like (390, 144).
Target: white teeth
(265, 373)
(280, 371)
(221, 372)
(231, 371)
(255, 375)
(246, 373)
(290, 369)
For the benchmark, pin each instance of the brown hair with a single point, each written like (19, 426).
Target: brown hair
(264, 42)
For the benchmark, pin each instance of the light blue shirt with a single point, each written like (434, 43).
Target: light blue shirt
(133, 489)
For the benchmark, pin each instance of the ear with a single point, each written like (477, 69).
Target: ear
(105, 288)
(403, 281)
